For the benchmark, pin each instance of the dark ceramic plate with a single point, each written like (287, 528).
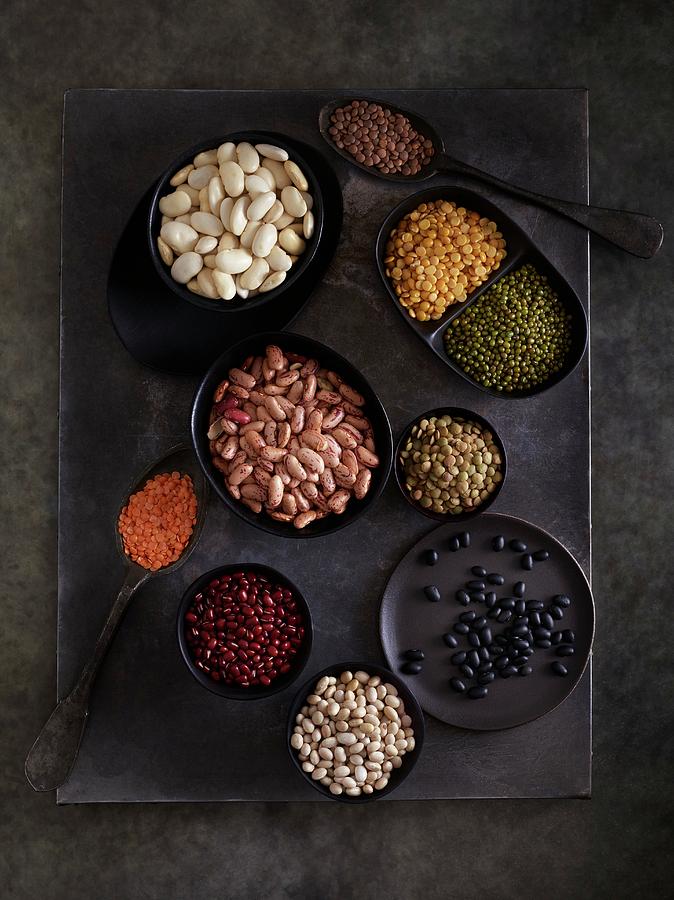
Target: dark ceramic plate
(520, 251)
(412, 709)
(468, 416)
(409, 621)
(255, 692)
(294, 343)
(162, 331)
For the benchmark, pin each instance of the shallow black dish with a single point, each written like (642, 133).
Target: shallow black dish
(520, 250)
(412, 709)
(160, 330)
(257, 691)
(466, 415)
(328, 358)
(408, 620)
(163, 187)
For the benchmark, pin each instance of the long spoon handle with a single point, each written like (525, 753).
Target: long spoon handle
(52, 756)
(634, 232)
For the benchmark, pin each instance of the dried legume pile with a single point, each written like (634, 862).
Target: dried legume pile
(158, 520)
(438, 254)
(244, 629)
(352, 732)
(237, 221)
(376, 136)
(515, 336)
(450, 465)
(292, 439)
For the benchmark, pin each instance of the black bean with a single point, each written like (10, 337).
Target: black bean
(474, 639)
(540, 555)
(495, 650)
(459, 658)
(556, 638)
(461, 628)
(477, 597)
(520, 644)
(485, 636)
(513, 653)
(462, 597)
(520, 620)
(474, 659)
(505, 616)
(520, 607)
(466, 670)
(498, 543)
(525, 670)
(468, 616)
(475, 585)
(478, 571)
(454, 546)
(495, 578)
(519, 661)
(557, 612)
(547, 621)
(565, 650)
(494, 612)
(519, 589)
(527, 562)
(559, 669)
(486, 678)
(490, 599)
(479, 623)
(534, 619)
(543, 644)
(517, 546)
(507, 603)
(562, 600)
(520, 630)
(486, 666)
(568, 636)
(501, 662)
(483, 653)
(457, 685)
(464, 538)
(501, 639)
(528, 652)
(413, 654)
(478, 692)
(431, 557)
(535, 605)
(432, 593)
(411, 668)
(450, 640)
(508, 671)
(542, 634)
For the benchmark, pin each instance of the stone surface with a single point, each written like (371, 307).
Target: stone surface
(615, 845)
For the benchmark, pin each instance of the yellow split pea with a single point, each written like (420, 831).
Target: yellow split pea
(438, 254)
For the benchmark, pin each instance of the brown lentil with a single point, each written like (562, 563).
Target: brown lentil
(451, 465)
(438, 254)
(158, 520)
(376, 136)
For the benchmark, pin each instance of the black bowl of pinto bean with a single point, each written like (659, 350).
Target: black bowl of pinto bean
(244, 631)
(291, 435)
(330, 752)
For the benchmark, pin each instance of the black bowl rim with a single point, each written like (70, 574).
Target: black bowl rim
(262, 522)
(412, 708)
(285, 142)
(253, 693)
(468, 415)
(519, 258)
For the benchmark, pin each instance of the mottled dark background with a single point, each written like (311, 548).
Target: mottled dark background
(616, 845)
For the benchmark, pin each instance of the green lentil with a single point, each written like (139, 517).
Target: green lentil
(515, 336)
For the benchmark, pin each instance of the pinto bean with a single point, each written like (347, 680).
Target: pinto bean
(220, 391)
(350, 460)
(295, 467)
(343, 477)
(337, 503)
(274, 492)
(327, 480)
(369, 459)
(329, 397)
(273, 454)
(310, 367)
(332, 454)
(283, 434)
(241, 472)
(251, 426)
(287, 407)
(270, 433)
(357, 422)
(315, 420)
(282, 472)
(302, 503)
(268, 374)
(285, 379)
(309, 389)
(239, 392)
(262, 414)
(289, 504)
(333, 418)
(296, 391)
(354, 431)
(297, 421)
(304, 519)
(261, 476)
(362, 483)
(255, 505)
(256, 368)
(254, 442)
(274, 357)
(344, 438)
(274, 409)
(334, 379)
(313, 440)
(351, 395)
(273, 390)
(280, 516)
(244, 379)
(311, 460)
(253, 492)
(309, 490)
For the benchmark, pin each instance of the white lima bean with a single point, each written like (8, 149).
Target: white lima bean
(235, 222)
(350, 760)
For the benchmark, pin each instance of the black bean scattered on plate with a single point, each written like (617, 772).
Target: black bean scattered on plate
(517, 546)
(431, 557)
(454, 544)
(432, 593)
(464, 539)
(559, 669)
(540, 556)
(479, 572)
(450, 640)
(411, 668)
(462, 598)
(495, 578)
(414, 655)
(498, 543)
(527, 562)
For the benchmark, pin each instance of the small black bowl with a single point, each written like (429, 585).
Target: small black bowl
(374, 410)
(258, 691)
(455, 412)
(163, 187)
(412, 709)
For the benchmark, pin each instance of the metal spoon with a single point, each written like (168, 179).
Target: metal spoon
(53, 755)
(634, 232)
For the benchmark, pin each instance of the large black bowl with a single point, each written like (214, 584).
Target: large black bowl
(257, 691)
(374, 410)
(163, 187)
(412, 709)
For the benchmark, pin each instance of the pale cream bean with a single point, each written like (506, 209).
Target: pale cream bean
(265, 239)
(336, 789)
(278, 259)
(274, 213)
(224, 284)
(248, 157)
(376, 756)
(360, 774)
(342, 772)
(228, 241)
(233, 261)
(180, 176)
(325, 753)
(319, 773)
(330, 743)
(206, 244)
(248, 234)
(226, 152)
(347, 739)
(290, 241)
(233, 178)
(253, 277)
(293, 202)
(206, 284)
(284, 221)
(340, 754)
(209, 260)
(272, 281)
(199, 178)
(296, 741)
(308, 767)
(271, 151)
(296, 175)
(238, 218)
(381, 783)
(178, 236)
(255, 184)
(268, 176)
(260, 206)
(314, 758)
(308, 199)
(204, 205)
(165, 252)
(175, 204)
(216, 193)
(225, 211)
(322, 684)
(191, 192)
(185, 218)
(348, 781)
(206, 158)
(308, 225)
(186, 266)
(280, 175)
(242, 292)
(206, 223)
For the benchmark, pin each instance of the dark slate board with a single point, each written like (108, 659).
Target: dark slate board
(154, 734)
